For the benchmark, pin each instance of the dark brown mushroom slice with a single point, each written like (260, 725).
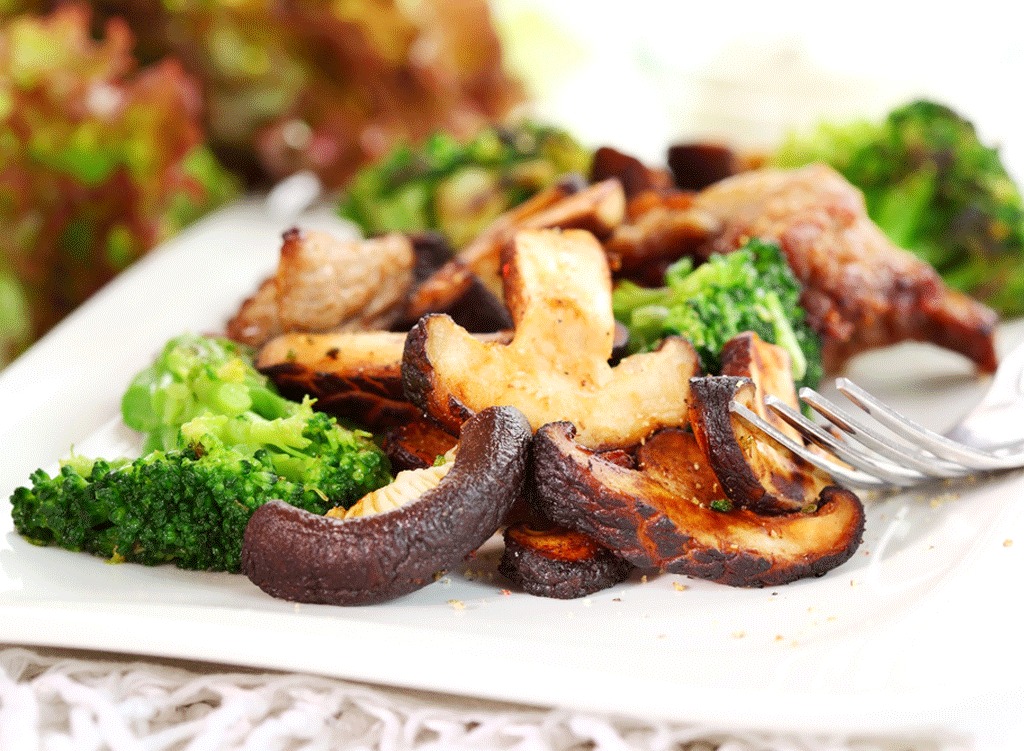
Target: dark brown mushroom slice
(754, 471)
(416, 444)
(293, 554)
(431, 250)
(550, 561)
(663, 520)
(695, 166)
(635, 176)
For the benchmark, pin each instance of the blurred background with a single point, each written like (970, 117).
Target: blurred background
(123, 122)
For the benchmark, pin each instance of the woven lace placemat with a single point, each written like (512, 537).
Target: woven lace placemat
(60, 699)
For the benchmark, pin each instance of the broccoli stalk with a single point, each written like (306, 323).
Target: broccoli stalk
(236, 445)
(935, 189)
(750, 289)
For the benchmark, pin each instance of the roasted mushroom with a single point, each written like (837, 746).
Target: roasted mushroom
(635, 176)
(755, 473)
(356, 375)
(416, 444)
(558, 290)
(550, 561)
(672, 519)
(597, 209)
(425, 522)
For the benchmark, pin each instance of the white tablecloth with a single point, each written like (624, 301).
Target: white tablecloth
(59, 699)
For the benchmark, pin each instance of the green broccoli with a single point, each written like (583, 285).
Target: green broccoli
(750, 289)
(935, 189)
(458, 188)
(236, 445)
(195, 375)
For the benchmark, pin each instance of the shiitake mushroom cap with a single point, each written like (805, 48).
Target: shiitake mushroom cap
(293, 554)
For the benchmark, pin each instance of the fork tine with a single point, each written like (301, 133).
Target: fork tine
(845, 451)
(840, 473)
(927, 439)
(865, 433)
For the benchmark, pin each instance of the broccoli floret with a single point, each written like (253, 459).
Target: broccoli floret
(236, 445)
(750, 289)
(188, 507)
(458, 188)
(935, 189)
(196, 375)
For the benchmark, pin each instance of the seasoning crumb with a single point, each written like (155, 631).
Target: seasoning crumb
(678, 587)
(941, 499)
(616, 599)
(643, 579)
(780, 637)
(457, 604)
(831, 619)
(506, 592)
(738, 634)
(662, 636)
(1007, 542)
(854, 582)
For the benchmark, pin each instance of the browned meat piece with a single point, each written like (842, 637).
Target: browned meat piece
(325, 284)
(860, 290)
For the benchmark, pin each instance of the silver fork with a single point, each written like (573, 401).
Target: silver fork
(877, 447)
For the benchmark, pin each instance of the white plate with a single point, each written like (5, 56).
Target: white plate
(919, 631)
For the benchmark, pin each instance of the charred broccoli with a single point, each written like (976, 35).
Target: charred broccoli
(239, 445)
(750, 289)
(935, 189)
(458, 188)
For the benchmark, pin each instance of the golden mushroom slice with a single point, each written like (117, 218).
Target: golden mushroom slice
(558, 291)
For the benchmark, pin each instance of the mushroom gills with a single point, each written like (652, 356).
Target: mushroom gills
(407, 486)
